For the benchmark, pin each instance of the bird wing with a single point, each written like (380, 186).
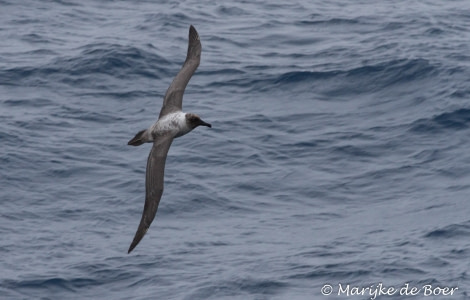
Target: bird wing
(153, 185)
(173, 100)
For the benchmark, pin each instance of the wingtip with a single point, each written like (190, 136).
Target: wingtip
(193, 35)
(133, 245)
(140, 233)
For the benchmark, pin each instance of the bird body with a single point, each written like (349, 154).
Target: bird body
(174, 124)
(171, 123)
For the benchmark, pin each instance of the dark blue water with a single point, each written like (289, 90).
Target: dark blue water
(339, 152)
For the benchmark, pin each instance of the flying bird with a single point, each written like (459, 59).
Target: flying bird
(172, 123)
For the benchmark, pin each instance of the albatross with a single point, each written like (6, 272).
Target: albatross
(172, 123)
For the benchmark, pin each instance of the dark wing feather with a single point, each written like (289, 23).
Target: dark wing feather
(173, 100)
(153, 186)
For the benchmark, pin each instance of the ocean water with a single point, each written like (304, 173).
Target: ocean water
(338, 161)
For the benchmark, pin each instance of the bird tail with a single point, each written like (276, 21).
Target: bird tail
(140, 138)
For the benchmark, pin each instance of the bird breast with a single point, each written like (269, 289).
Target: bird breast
(174, 124)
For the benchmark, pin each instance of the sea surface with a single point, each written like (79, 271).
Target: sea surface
(338, 161)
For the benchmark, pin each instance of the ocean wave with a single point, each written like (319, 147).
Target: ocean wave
(364, 79)
(450, 231)
(456, 120)
(338, 271)
(368, 78)
(113, 60)
(246, 286)
(51, 284)
(332, 21)
(300, 76)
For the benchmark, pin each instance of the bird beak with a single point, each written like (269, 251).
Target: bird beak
(205, 124)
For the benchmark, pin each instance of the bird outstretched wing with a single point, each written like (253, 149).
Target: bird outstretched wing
(173, 100)
(153, 185)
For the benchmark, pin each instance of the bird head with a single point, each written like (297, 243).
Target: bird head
(194, 121)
